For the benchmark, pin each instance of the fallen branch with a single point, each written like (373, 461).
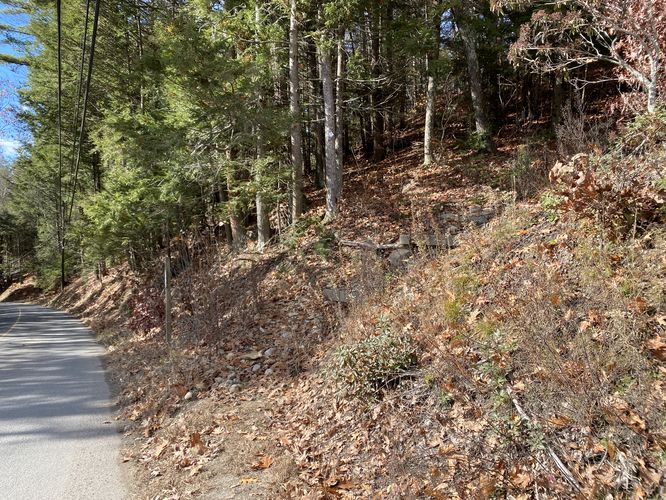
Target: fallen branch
(560, 465)
(368, 245)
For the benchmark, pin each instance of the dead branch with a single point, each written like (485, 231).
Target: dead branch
(568, 476)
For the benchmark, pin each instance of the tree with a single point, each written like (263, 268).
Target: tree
(333, 170)
(465, 13)
(295, 110)
(628, 34)
(434, 16)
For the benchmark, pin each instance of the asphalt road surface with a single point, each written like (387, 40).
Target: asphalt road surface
(57, 437)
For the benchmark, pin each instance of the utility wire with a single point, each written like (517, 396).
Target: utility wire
(79, 88)
(61, 211)
(85, 105)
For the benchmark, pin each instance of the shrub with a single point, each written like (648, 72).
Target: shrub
(363, 368)
(550, 202)
(624, 189)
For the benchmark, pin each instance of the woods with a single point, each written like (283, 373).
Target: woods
(353, 248)
(199, 115)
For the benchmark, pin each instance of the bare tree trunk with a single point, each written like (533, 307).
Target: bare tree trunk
(263, 225)
(653, 84)
(470, 45)
(430, 100)
(167, 289)
(556, 107)
(429, 121)
(333, 174)
(378, 146)
(295, 109)
(224, 199)
(317, 129)
(235, 217)
(339, 100)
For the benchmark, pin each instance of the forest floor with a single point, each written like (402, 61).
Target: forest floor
(524, 349)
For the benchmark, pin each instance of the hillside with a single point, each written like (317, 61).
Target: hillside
(517, 351)
(347, 248)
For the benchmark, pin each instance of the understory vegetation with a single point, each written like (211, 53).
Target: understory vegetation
(356, 249)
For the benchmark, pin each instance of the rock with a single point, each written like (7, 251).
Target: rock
(285, 335)
(234, 388)
(449, 217)
(270, 352)
(189, 395)
(230, 355)
(336, 295)
(479, 216)
(398, 257)
(253, 356)
(219, 380)
(269, 372)
(405, 240)
(256, 367)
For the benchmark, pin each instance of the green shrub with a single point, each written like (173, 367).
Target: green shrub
(550, 202)
(365, 367)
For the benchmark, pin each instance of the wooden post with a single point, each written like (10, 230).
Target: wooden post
(167, 293)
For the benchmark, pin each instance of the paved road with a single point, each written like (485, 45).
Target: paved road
(56, 436)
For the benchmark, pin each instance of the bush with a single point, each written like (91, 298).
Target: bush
(623, 189)
(365, 367)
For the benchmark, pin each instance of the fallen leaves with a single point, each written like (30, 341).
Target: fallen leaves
(558, 421)
(657, 347)
(264, 462)
(618, 409)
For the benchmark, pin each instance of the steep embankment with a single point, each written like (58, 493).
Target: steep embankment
(512, 350)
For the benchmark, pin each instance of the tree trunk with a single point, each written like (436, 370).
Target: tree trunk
(378, 146)
(333, 174)
(556, 107)
(653, 84)
(430, 100)
(224, 199)
(235, 217)
(263, 224)
(295, 110)
(339, 103)
(470, 45)
(317, 131)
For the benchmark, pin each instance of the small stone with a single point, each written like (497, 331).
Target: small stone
(269, 372)
(253, 356)
(188, 396)
(285, 335)
(234, 388)
(269, 352)
(230, 355)
(256, 367)
(219, 380)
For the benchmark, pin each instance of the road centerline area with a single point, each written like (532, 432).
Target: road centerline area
(54, 402)
(18, 318)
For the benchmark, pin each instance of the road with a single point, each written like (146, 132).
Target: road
(57, 437)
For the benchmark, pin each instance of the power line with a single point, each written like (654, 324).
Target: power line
(61, 211)
(93, 41)
(79, 88)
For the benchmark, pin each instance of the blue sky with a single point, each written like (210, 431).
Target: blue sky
(12, 77)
